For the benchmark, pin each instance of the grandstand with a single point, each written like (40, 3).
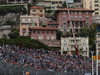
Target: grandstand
(16, 60)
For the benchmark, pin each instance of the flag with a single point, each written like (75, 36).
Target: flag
(76, 51)
(27, 72)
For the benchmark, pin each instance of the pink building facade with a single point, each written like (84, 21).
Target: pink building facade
(80, 18)
(27, 21)
(45, 35)
(39, 28)
(42, 33)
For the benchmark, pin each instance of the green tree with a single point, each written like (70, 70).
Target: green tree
(49, 11)
(64, 5)
(4, 36)
(13, 34)
(84, 32)
(59, 35)
(25, 42)
(12, 9)
(91, 33)
(2, 2)
(8, 22)
(29, 5)
(54, 16)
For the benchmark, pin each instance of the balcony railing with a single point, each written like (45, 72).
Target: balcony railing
(26, 22)
(39, 0)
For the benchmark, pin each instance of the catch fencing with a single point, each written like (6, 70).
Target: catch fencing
(11, 69)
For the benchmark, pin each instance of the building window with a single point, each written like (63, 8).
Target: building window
(34, 10)
(84, 42)
(84, 53)
(56, 26)
(38, 31)
(60, 2)
(96, 9)
(64, 12)
(87, 24)
(71, 12)
(87, 18)
(33, 31)
(77, 41)
(35, 24)
(80, 13)
(34, 20)
(53, 7)
(33, 37)
(48, 37)
(29, 20)
(40, 37)
(72, 41)
(72, 47)
(75, 17)
(84, 48)
(39, 2)
(40, 10)
(24, 29)
(98, 35)
(52, 31)
(52, 38)
(43, 31)
(65, 42)
(75, 12)
(65, 48)
(30, 33)
(64, 17)
(47, 31)
(71, 17)
(64, 25)
(87, 13)
(80, 17)
(96, 1)
(23, 20)
(23, 33)
(96, 5)
(96, 13)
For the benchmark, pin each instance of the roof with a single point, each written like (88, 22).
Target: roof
(43, 28)
(34, 7)
(75, 9)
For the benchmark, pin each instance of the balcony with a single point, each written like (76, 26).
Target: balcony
(39, 0)
(26, 22)
(72, 43)
(47, 5)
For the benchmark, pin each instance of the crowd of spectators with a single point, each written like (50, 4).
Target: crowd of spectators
(44, 59)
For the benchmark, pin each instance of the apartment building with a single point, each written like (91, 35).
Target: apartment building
(92, 4)
(80, 18)
(20, 1)
(43, 33)
(68, 45)
(74, 3)
(95, 5)
(98, 39)
(27, 21)
(49, 4)
(37, 11)
(39, 28)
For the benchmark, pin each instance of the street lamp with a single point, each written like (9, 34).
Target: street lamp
(92, 52)
(97, 42)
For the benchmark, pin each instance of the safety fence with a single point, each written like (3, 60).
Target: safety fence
(11, 69)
